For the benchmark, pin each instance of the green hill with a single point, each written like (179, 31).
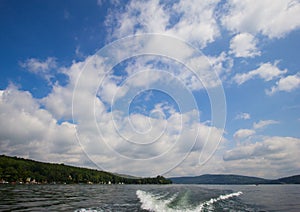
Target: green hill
(290, 180)
(233, 179)
(19, 170)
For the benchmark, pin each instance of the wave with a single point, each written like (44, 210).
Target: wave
(86, 210)
(107, 207)
(156, 202)
(210, 202)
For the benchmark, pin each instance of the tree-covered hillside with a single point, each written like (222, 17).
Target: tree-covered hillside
(13, 169)
(219, 179)
(233, 179)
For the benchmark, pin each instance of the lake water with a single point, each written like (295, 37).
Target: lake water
(81, 198)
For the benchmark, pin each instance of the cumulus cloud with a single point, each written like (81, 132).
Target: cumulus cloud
(244, 45)
(40, 67)
(243, 133)
(138, 17)
(207, 71)
(280, 149)
(112, 137)
(246, 133)
(147, 144)
(221, 64)
(287, 84)
(273, 19)
(195, 24)
(139, 141)
(244, 116)
(59, 101)
(264, 123)
(266, 71)
(35, 65)
(270, 157)
(31, 132)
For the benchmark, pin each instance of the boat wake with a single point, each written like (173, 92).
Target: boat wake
(176, 202)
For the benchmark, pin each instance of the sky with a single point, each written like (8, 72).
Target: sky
(146, 88)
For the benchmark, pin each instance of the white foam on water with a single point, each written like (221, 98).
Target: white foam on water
(106, 207)
(85, 210)
(152, 202)
(210, 202)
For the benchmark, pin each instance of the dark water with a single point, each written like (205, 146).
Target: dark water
(149, 198)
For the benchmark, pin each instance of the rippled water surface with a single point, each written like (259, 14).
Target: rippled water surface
(149, 198)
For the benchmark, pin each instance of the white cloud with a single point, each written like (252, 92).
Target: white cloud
(264, 123)
(271, 18)
(206, 71)
(246, 133)
(221, 64)
(270, 157)
(42, 134)
(274, 151)
(287, 84)
(59, 101)
(78, 52)
(36, 128)
(29, 131)
(110, 91)
(139, 17)
(33, 132)
(243, 133)
(266, 71)
(244, 45)
(142, 74)
(40, 67)
(195, 24)
(244, 116)
(152, 141)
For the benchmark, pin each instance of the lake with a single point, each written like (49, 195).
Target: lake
(82, 198)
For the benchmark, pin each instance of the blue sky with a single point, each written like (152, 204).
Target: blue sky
(152, 113)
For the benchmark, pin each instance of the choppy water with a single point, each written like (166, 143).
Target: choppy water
(149, 198)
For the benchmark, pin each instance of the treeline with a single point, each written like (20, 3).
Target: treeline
(233, 180)
(19, 170)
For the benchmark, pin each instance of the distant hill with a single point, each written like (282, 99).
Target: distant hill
(290, 180)
(19, 170)
(233, 179)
